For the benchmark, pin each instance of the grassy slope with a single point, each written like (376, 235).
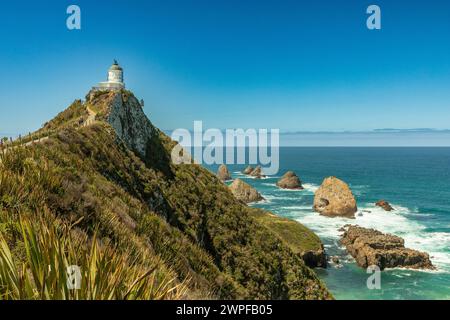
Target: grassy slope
(211, 243)
(298, 237)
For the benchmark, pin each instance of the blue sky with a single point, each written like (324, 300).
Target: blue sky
(292, 65)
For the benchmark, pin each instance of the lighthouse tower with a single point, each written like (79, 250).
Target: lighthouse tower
(115, 79)
(115, 73)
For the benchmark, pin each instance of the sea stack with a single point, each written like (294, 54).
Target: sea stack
(290, 181)
(223, 174)
(334, 199)
(248, 170)
(245, 192)
(257, 173)
(385, 205)
(372, 247)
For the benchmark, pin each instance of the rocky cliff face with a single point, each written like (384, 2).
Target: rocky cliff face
(130, 123)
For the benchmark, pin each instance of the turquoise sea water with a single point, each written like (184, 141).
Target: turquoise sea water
(416, 181)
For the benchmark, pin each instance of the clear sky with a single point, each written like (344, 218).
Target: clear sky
(293, 65)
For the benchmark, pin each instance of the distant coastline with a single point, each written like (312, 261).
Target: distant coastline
(374, 138)
(387, 137)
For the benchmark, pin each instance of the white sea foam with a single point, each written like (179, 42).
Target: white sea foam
(290, 190)
(279, 198)
(359, 190)
(296, 208)
(276, 188)
(395, 222)
(269, 184)
(244, 176)
(310, 187)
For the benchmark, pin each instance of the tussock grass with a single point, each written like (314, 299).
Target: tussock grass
(36, 246)
(51, 249)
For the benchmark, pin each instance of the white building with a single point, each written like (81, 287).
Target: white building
(115, 79)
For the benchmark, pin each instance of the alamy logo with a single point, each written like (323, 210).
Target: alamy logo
(73, 277)
(374, 281)
(374, 20)
(230, 147)
(73, 22)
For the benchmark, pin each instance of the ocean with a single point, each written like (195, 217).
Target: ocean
(416, 181)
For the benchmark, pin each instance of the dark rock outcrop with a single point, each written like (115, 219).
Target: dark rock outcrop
(335, 259)
(223, 174)
(245, 192)
(315, 259)
(290, 181)
(385, 205)
(372, 247)
(334, 199)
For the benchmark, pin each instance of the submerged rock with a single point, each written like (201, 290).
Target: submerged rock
(372, 247)
(334, 199)
(335, 259)
(385, 205)
(223, 173)
(248, 170)
(244, 192)
(290, 181)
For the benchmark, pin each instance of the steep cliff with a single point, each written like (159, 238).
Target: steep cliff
(109, 179)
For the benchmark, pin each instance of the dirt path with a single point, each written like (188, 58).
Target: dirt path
(91, 117)
(4, 151)
(89, 121)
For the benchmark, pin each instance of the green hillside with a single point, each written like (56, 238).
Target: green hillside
(139, 226)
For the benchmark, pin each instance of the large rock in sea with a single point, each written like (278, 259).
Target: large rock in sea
(248, 170)
(372, 247)
(290, 181)
(244, 192)
(257, 173)
(223, 173)
(385, 205)
(335, 199)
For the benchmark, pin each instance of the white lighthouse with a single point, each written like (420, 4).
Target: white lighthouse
(115, 79)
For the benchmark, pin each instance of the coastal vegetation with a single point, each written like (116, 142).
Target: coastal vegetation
(298, 237)
(87, 196)
(301, 240)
